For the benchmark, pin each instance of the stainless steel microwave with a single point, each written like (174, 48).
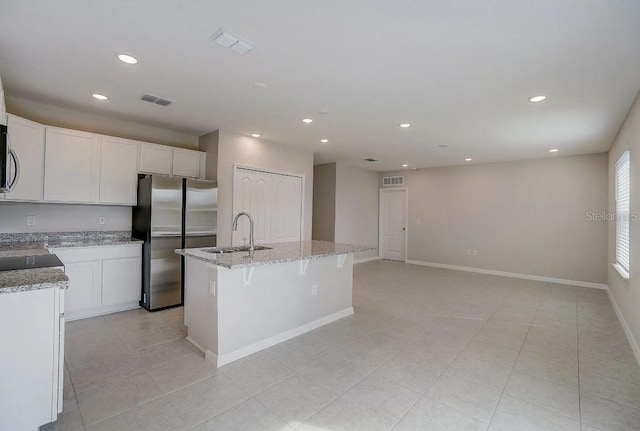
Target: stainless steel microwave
(9, 165)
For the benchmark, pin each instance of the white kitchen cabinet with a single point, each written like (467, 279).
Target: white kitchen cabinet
(72, 166)
(32, 359)
(118, 171)
(102, 279)
(26, 138)
(186, 163)
(155, 159)
(121, 281)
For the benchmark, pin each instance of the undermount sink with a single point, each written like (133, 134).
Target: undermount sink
(234, 249)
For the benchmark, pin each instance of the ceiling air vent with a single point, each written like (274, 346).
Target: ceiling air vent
(392, 181)
(155, 99)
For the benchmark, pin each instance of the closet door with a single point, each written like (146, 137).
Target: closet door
(286, 208)
(252, 194)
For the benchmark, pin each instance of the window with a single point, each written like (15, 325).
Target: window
(622, 194)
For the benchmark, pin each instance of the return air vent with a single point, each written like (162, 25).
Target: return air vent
(392, 181)
(155, 99)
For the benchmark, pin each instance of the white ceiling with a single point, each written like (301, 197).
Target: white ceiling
(460, 72)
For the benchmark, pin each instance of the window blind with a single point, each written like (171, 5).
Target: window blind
(622, 192)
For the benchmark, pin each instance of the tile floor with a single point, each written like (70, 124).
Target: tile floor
(427, 349)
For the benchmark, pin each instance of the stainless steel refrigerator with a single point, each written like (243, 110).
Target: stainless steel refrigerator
(171, 213)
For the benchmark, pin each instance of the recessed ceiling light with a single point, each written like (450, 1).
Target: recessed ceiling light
(405, 165)
(307, 120)
(99, 96)
(255, 135)
(554, 150)
(405, 125)
(324, 141)
(468, 159)
(537, 98)
(127, 58)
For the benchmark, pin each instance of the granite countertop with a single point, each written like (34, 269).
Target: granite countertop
(32, 279)
(279, 253)
(29, 244)
(34, 241)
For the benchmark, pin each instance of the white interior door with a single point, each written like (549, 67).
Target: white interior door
(274, 201)
(393, 218)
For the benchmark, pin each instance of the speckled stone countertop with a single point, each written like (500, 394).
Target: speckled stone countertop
(29, 244)
(279, 253)
(22, 241)
(32, 279)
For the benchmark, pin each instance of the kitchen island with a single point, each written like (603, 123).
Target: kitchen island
(239, 303)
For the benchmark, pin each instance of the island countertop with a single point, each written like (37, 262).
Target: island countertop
(278, 253)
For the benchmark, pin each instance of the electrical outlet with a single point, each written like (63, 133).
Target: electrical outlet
(468, 252)
(474, 252)
(31, 220)
(314, 289)
(101, 220)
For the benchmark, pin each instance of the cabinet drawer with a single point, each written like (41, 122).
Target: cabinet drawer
(84, 254)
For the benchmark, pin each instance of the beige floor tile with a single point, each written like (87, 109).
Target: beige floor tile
(412, 375)
(182, 372)
(431, 415)
(474, 400)
(155, 415)
(116, 396)
(497, 354)
(607, 415)
(613, 347)
(341, 416)
(514, 414)
(206, 399)
(554, 365)
(477, 370)
(542, 335)
(561, 399)
(69, 420)
(622, 391)
(295, 399)
(382, 398)
(247, 416)
(334, 373)
(617, 369)
(256, 375)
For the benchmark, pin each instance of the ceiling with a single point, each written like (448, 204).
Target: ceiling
(461, 72)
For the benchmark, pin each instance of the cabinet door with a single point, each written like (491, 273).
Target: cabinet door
(118, 171)
(186, 163)
(155, 159)
(252, 194)
(121, 281)
(72, 166)
(286, 208)
(84, 286)
(26, 138)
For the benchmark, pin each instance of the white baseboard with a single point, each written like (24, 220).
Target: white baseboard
(366, 259)
(277, 339)
(70, 316)
(632, 341)
(512, 274)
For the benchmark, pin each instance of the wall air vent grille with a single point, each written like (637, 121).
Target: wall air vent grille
(155, 99)
(392, 181)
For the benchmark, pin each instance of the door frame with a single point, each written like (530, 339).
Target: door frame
(237, 166)
(381, 219)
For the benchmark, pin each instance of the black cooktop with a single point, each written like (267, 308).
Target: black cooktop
(30, 262)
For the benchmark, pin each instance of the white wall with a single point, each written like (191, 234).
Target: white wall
(525, 217)
(96, 123)
(62, 217)
(357, 195)
(244, 150)
(626, 293)
(324, 202)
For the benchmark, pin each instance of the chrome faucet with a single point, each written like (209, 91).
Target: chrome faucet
(235, 228)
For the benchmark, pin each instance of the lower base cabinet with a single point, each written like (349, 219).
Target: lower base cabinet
(32, 358)
(102, 279)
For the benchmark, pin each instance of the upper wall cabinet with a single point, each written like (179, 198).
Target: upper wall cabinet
(118, 171)
(26, 138)
(155, 159)
(188, 163)
(71, 166)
